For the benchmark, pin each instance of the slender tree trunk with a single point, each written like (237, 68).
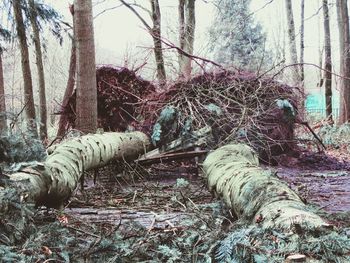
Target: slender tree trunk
(3, 125)
(41, 74)
(344, 40)
(320, 51)
(86, 105)
(302, 45)
(187, 25)
(26, 72)
(181, 11)
(328, 60)
(156, 35)
(62, 125)
(291, 37)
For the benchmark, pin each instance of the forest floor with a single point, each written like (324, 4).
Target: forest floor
(171, 192)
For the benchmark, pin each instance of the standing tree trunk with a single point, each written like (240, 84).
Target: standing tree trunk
(41, 74)
(27, 77)
(328, 60)
(3, 126)
(187, 25)
(320, 52)
(62, 125)
(156, 35)
(292, 42)
(86, 106)
(155, 32)
(302, 46)
(344, 41)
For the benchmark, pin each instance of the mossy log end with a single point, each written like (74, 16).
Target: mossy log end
(256, 194)
(53, 182)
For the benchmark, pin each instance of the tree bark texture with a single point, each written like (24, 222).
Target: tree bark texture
(344, 43)
(26, 72)
(302, 44)
(63, 122)
(86, 107)
(328, 60)
(54, 181)
(254, 194)
(187, 25)
(40, 68)
(292, 42)
(3, 125)
(156, 35)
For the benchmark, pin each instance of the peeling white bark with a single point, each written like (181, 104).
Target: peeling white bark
(253, 193)
(53, 182)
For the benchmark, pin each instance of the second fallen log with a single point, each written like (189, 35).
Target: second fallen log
(256, 194)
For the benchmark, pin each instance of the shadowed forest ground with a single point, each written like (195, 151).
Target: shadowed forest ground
(168, 192)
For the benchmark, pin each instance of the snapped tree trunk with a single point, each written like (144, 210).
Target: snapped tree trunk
(344, 43)
(26, 72)
(328, 60)
(292, 42)
(187, 25)
(86, 103)
(156, 35)
(54, 181)
(63, 122)
(40, 68)
(62, 125)
(254, 194)
(3, 125)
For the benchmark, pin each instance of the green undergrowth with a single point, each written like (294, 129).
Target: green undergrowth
(254, 244)
(19, 149)
(332, 136)
(207, 234)
(193, 241)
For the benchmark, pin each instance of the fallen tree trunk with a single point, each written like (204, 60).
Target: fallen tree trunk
(255, 194)
(52, 182)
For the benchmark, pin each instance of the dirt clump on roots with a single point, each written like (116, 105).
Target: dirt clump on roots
(119, 93)
(238, 106)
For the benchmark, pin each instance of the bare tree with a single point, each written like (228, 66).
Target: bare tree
(302, 44)
(344, 43)
(86, 102)
(328, 59)
(70, 83)
(40, 67)
(291, 37)
(26, 72)
(155, 32)
(187, 24)
(320, 50)
(3, 126)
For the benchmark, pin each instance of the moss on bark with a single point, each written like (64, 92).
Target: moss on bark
(253, 193)
(53, 182)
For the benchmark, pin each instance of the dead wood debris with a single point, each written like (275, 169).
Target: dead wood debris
(236, 105)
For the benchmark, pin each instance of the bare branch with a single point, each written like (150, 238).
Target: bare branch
(308, 64)
(107, 9)
(194, 57)
(149, 28)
